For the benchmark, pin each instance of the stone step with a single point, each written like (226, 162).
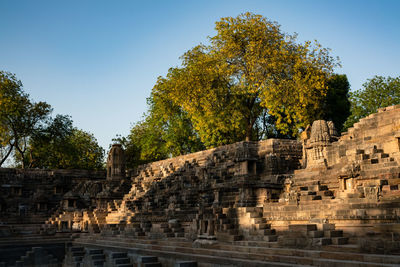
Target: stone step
(76, 249)
(262, 232)
(340, 240)
(302, 227)
(270, 238)
(315, 234)
(122, 261)
(258, 220)
(77, 259)
(148, 259)
(152, 264)
(95, 251)
(376, 164)
(98, 257)
(226, 237)
(183, 264)
(118, 255)
(333, 233)
(322, 241)
(98, 263)
(261, 226)
(78, 253)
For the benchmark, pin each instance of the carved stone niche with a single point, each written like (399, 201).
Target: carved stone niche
(289, 195)
(348, 177)
(247, 197)
(315, 141)
(346, 183)
(246, 159)
(372, 193)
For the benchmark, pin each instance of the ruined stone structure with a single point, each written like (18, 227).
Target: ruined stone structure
(322, 201)
(116, 162)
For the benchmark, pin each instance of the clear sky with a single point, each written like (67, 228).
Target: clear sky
(98, 60)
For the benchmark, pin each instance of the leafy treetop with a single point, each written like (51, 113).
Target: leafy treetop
(250, 68)
(376, 93)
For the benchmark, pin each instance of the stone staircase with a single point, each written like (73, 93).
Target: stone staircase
(94, 258)
(239, 253)
(307, 235)
(37, 256)
(74, 256)
(100, 217)
(148, 261)
(226, 226)
(259, 229)
(120, 259)
(93, 223)
(136, 229)
(315, 192)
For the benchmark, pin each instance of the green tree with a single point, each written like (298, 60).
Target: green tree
(177, 129)
(337, 103)
(88, 153)
(165, 132)
(58, 145)
(20, 118)
(6, 144)
(376, 93)
(49, 144)
(249, 69)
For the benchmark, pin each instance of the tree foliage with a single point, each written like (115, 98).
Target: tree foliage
(19, 116)
(165, 131)
(37, 140)
(337, 103)
(250, 70)
(59, 145)
(376, 93)
(251, 82)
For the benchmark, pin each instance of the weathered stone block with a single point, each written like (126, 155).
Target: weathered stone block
(302, 227)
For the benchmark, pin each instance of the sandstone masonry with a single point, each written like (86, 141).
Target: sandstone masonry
(259, 201)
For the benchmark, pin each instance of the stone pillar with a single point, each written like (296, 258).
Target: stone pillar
(210, 229)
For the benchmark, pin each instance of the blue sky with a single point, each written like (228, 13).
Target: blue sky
(98, 60)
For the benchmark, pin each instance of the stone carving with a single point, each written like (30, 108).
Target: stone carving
(289, 195)
(315, 141)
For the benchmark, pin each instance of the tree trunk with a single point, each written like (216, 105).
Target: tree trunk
(249, 132)
(8, 154)
(22, 156)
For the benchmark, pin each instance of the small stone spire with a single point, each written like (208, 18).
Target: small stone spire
(116, 162)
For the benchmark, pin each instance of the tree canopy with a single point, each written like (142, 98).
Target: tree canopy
(377, 92)
(337, 103)
(252, 81)
(250, 67)
(59, 145)
(165, 131)
(35, 139)
(19, 116)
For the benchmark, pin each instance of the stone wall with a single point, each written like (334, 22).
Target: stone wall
(380, 130)
(32, 195)
(238, 191)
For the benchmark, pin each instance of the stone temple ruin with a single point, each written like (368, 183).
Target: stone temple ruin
(325, 200)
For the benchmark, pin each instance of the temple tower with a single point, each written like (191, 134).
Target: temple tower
(116, 162)
(315, 140)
